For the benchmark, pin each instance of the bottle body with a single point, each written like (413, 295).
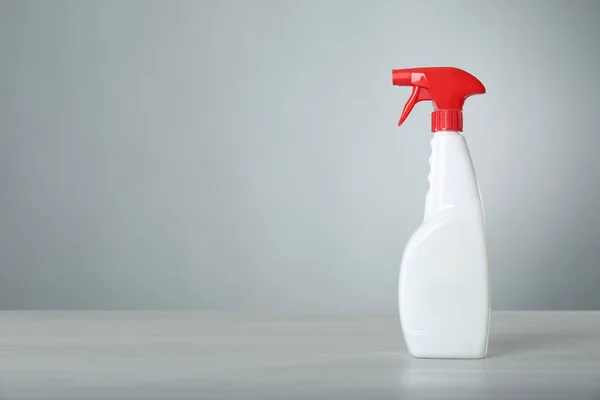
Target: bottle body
(444, 290)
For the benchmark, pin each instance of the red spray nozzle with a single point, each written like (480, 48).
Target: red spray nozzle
(447, 87)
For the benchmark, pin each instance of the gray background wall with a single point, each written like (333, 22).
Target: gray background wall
(244, 154)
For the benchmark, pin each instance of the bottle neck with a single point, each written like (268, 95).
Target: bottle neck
(453, 184)
(446, 133)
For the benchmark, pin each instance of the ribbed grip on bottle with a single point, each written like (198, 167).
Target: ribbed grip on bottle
(447, 120)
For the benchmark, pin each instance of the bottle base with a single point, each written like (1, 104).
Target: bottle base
(450, 355)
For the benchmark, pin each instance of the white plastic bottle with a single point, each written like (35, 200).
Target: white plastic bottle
(444, 288)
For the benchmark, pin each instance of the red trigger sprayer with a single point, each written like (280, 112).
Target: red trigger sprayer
(444, 291)
(447, 87)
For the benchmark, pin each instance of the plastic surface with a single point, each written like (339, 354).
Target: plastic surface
(446, 87)
(444, 292)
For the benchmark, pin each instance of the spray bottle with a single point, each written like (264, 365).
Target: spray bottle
(444, 289)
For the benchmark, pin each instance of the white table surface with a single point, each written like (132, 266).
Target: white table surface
(179, 355)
